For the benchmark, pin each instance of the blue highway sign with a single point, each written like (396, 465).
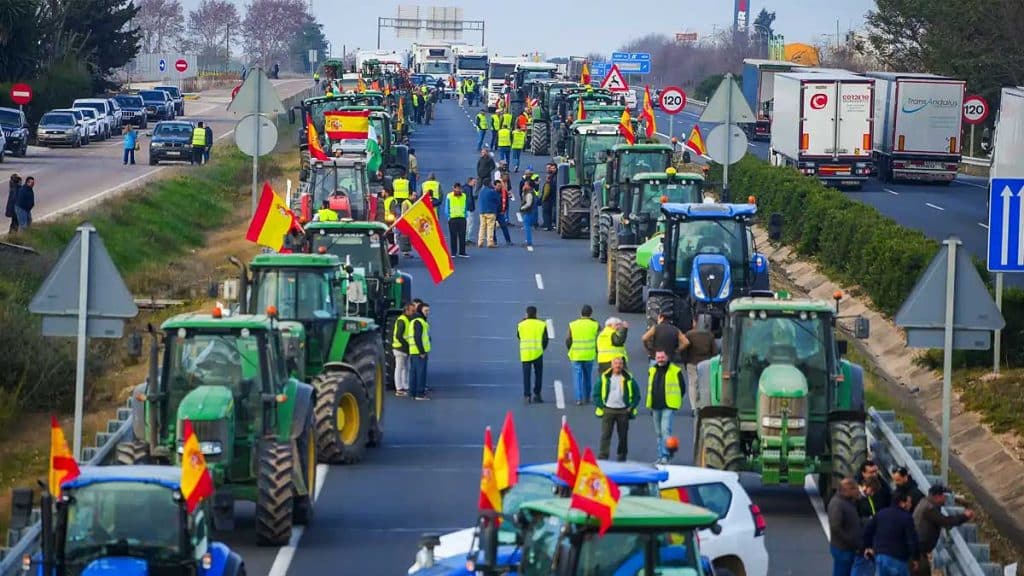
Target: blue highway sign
(633, 62)
(599, 70)
(163, 65)
(1005, 216)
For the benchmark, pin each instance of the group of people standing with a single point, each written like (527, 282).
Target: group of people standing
(410, 344)
(508, 134)
(21, 199)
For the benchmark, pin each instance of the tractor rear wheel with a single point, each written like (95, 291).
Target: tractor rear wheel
(389, 353)
(604, 228)
(659, 304)
(539, 138)
(133, 452)
(718, 444)
(629, 282)
(848, 442)
(612, 254)
(274, 493)
(305, 450)
(342, 417)
(365, 353)
(595, 230)
(570, 223)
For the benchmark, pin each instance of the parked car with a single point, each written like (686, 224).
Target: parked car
(176, 97)
(133, 110)
(3, 146)
(104, 114)
(97, 130)
(115, 108)
(81, 122)
(14, 131)
(740, 546)
(170, 140)
(158, 104)
(59, 128)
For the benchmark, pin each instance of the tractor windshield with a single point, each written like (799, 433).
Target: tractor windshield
(627, 553)
(302, 294)
(360, 250)
(122, 519)
(725, 237)
(795, 338)
(633, 162)
(592, 145)
(335, 182)
(214, 359)
(679, 191)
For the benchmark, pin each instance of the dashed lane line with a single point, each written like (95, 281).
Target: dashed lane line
(982, 186)
(891, 191)
(930, 205)
(551, 328)
(559, 395)
(540, 281)
(983, 225)
(811, 488)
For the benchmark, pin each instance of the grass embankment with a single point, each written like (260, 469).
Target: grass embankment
(169, 240)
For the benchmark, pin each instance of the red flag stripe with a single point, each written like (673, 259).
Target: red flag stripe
(260, 216)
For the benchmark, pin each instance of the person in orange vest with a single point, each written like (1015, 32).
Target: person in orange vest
(522, 121)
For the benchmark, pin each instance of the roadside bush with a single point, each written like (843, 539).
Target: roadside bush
(56, 87)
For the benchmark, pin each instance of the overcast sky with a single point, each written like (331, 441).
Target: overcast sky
(576, 27)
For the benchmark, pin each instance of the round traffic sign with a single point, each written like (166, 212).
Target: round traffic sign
(249, 128)
(672, 100)
(181, 65)
(976, 109)
(727, 144)
(21, 94)
(162, 64)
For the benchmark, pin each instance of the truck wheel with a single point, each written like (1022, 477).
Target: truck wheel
(570, 223)
(133, 452)
(305, 449)
(657, 304)
(342, 417)
(365, 353)
(629, 282)
(848, 442)
(610, 256)
(718, 444)
(604, 224)
(539, 138)
(274, 491)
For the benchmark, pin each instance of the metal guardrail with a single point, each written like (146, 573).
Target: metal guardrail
(959, 552)
(971, 161)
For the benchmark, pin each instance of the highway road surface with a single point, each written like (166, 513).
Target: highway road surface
(70, 179)
(370, 516)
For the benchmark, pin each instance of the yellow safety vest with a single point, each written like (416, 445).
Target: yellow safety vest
(456, 205)
(432, 187)
(199, 136)
(531, 339)
(518, 140)
(504, 138)
(606, 351)
(495, 122)
(389, 204)
(401, 188)
(627, 396)
(506, 120)
(584, 339)
(401, 327)
(481, 121)
(673, 391)
(410, 337)
(327, 215)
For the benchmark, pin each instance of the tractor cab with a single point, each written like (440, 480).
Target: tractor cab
(343, 182)
(568, 107)
(646, 194)
(586, 143)
(624, 162)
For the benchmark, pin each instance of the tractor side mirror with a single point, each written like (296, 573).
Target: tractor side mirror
(686, 157)
(716, 528)
(775, 226)
(245, 387)
(22, 501)
(843, 347)
(291, 115)
(861, 328)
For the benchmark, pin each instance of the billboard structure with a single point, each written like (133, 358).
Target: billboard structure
(440, 23)
(741, 16)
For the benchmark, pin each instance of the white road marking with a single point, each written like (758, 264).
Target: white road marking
(930, 205)
(551, 328)
(811, 488)
(751, 144)
(540, 281)
(286, 554)
(519, 216)
(984, 187)
(983, 225)
(890, 191)
(559, 395)
(529, 248)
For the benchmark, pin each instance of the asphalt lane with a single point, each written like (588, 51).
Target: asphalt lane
(426, 477)
(69, 179)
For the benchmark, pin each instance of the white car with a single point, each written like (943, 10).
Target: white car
(104, 114)
(97, 130)
(740, 546)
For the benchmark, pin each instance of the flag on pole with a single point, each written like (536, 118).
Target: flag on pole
(374, 158)
(696, 142)
(419, 223)
(490, 495)
(360, 85)
(271, 221)
(568, 455)
(347, 124)
(594, 493)
(581, 112)
(196, 483)
(585, 75)
(316, 150)
(648, 114)
(626, 127)
(506, 458)
(63, 467)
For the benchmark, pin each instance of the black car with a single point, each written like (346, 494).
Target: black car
(133, 110)
(159, 105)
(170, 141)
(16, 131)
(176, 98)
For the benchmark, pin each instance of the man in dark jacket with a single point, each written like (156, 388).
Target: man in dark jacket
(868, 470)
(24, 202)
(616, 398)
(547, 196)
(929, 522)
(901, 479)
(844, 527)
(890, 537)
(470, 186)
(209, 144)
(12, 199)
(485, 167)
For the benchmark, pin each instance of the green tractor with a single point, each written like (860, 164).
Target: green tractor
(640, 220)
(544, 131)
(344, 183)
(587, 142)
(255, 423)
(781, 400)
(336, 348)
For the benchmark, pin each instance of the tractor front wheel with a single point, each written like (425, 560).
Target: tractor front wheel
(305, 448)
(629, 282)
(659, 304)
(274, 496)
(718, 444)
(539, 138)
(570, 221)
(133, 452)
(611, 257)
(604, 228)
(342, 417)
(848, 442)
(365, 353)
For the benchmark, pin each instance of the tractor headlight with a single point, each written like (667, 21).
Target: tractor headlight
(771, 422)
(797, 423)
(698, 290)
(726, 288)
(207, 448)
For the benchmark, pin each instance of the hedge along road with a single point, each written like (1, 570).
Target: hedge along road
(69, 179)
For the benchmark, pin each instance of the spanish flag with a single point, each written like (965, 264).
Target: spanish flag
(63, 467)
(581, 112)
(626, 127)
(568, 455)
(196, 482)
(648, 113)
(347, 124)
(506, 459)
(696, 141)
(272, 220)
(490, 495)
(585, 75)
(594, 493)
(316, 150)
(360, 85)
(420, 224)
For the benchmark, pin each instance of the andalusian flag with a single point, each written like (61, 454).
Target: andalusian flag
(696, 141)
(506, 458)
(63, 467)
(648, 113)
(585, 75)
(272, 220)
(316, 150)
(419, 223)
(374, 158)
(347, 124)
(360, 85)
(594, 493)
(626, 127)
(196, 482)
(568, 455)
(581, 112)
(401, 113)
(490, 495)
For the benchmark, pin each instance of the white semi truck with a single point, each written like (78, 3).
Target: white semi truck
(918, 122)
(469, 61)
(823, 125)
(434, 60)
(499, 68)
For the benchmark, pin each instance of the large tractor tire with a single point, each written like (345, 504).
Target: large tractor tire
(274, 493)
(132, 452)
(629, 282)
(657, 304)
(366, 354)
(718, 444)
(570, 224)
(595, 230)
(389, 353)
(613, 252)
(308, 458)
(604, 228)
(342, 417)
(540, 139)
(848, 442)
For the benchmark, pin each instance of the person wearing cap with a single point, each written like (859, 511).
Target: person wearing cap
(891, 539)
(929, 522)
(518, 143)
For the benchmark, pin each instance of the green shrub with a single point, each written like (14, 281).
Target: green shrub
(56, 87)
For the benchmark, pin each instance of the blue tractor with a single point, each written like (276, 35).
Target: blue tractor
(125, 521)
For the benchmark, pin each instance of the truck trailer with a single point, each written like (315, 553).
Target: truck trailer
(822, 125)
(434, 60)
(918, 120)
(469, 61)
(758, 88)
(499, 71)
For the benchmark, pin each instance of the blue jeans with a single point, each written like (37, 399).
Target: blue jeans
(516, 153)
(503, 223)
(842, 561)
(494, 139)
(529, 218)
(24, 218)
(889, 566)
(417, 376)
(583, 377)
(503, 153)
(413, 181)
(480, 142)
(129, 156)
(863, 566)
(663, 429)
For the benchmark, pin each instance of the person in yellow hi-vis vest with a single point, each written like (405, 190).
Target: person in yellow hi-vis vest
(432, 188)
(665, 388)
(615, 402)
(506, 119)
(481, 127)
(533, 339)
(504, 144)
(518, 143)
(611, 343)
(582, 344)
(418, 337)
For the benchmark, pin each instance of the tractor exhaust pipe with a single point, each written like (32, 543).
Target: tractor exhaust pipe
(243, 285)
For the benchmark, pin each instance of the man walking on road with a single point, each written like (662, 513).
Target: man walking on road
(504, 143)
(489, 204)
(547, 197)
(518, 144)
(615, 402)
(469, 190)
(929, 521)
(419, 348)
(890, 537)
(528, 210)
(533, 340)
(582, 344)
(485, 167)
(481, 128)
(400, 347)
(702, 347)
(455, 210)
(611, 343)
(12, 201)
(665, 384)
(844, 527)
(198, 143)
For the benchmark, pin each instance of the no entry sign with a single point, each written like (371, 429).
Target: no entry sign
(181, 65)
(21, 94)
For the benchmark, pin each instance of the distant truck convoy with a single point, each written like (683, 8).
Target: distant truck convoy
(918, 122)
(758, 88)
(499, 68)
(469, 61)
(822, 125)
(434, 60)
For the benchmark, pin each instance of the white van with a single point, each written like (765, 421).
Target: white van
(104, 114)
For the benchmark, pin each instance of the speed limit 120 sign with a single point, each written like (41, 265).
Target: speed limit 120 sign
(672, 100)
(975, 109)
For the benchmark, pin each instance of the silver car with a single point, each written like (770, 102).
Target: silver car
(56, 128)
(81, 123)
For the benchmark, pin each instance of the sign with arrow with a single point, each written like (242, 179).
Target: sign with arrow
(614, 80)
(1005, 215)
